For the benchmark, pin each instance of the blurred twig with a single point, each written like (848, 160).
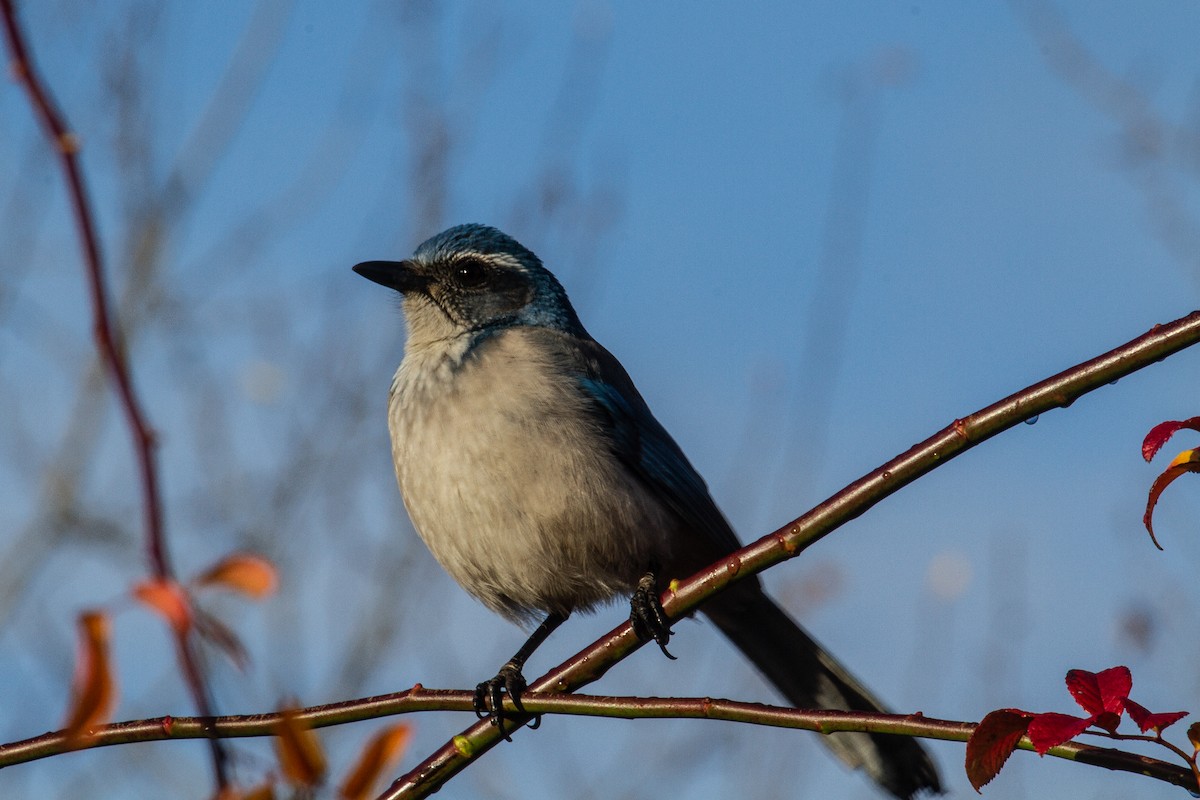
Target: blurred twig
(66, 145)
(1155, 150)
(861, 90)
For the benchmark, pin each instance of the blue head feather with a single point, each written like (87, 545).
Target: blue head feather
(549, 307)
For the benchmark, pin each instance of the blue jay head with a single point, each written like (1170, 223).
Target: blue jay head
(473, 278)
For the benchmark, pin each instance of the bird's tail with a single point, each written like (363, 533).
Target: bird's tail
(810, 678)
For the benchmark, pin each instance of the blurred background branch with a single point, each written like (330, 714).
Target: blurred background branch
(111, 348)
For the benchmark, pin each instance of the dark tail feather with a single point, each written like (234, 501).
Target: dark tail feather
(810, 678)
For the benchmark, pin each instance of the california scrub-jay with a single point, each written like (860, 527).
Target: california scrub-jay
(537, 476)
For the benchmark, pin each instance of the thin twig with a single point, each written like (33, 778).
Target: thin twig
(420, 699)
(683, 597)
(66, 145)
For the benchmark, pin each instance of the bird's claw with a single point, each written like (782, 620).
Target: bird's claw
(647, 616)
(489, 697)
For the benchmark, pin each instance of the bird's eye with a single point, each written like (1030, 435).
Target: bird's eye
(470, 272)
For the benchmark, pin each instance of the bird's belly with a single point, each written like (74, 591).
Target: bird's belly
(528, 512)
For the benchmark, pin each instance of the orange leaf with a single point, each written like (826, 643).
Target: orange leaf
(251, 575)
(993, 741)
(93, 694)
(264, 791)
(1186, 457)
(1187, 461)
(168, 599)
(381, 753)
(300, 756)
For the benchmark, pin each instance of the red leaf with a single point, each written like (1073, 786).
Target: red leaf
(1099, 692)
(1107, 720)
(1147, 720)
(993, 741)
(1163, 431)
(1051, 729)
(1187, 461)
(1115, 684)
(1084, 687)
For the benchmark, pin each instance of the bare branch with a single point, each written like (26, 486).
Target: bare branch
(683, 597)
(419, 699)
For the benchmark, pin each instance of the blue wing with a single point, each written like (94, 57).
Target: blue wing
(646, 448)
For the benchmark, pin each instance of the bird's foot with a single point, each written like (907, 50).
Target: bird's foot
(489, 697)
(647, 616)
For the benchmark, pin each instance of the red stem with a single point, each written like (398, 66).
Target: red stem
(66, 145)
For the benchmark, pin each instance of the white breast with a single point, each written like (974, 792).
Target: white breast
(508, 478)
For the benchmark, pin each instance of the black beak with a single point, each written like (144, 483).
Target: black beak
(402, 276)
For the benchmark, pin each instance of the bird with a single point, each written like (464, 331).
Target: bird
(537, 476)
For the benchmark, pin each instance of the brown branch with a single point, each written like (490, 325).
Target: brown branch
(683, 597)
(66, 145)
(421, 699)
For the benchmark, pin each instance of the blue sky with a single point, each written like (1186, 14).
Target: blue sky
(814, 233)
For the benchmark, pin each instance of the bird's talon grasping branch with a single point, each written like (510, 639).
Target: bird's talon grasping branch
(647, 616)
(489, 696)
